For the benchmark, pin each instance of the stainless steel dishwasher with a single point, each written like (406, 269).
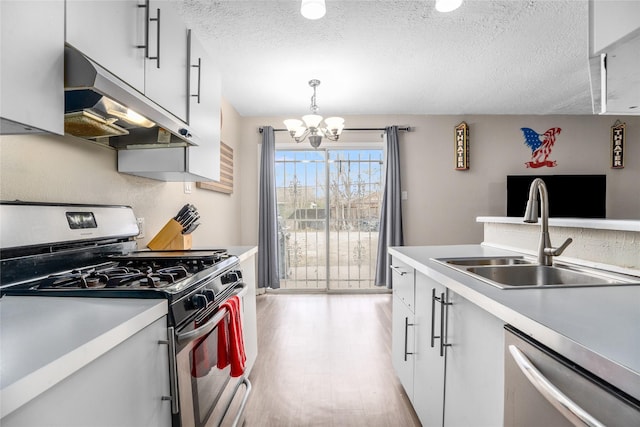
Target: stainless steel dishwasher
(542, 388)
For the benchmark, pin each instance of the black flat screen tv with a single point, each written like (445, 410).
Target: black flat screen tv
(570, 196)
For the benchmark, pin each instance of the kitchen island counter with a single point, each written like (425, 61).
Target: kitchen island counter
(46, 339)
(595, 327)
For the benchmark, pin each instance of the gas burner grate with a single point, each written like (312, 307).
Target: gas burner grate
(116, 277)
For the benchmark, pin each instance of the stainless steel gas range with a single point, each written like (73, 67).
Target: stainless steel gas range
(90, 251)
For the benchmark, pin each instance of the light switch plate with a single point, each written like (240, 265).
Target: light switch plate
(187, 188)
(404, 195)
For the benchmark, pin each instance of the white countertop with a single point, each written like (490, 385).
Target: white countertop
(599, 224)
(43, 340)
(596, 327)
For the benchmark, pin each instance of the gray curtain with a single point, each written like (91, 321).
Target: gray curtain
(268, 214)
(391, 211)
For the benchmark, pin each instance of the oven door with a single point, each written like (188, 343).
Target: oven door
(206, 389)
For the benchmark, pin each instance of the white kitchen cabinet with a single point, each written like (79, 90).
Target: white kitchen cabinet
(402, 341)
(32, 66)
(249, 320)
(166, 75)
(402, 277)
(124, 387)
(614, 50)
(611, 21)
(428, 388)
(402, 334)
(204, 112)
(114, 34)
(454, 372)
(109, 33)
(475, 365)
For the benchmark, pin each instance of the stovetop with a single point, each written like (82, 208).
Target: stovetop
(167, 273)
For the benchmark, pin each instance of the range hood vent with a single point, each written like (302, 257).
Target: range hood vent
(99, 105)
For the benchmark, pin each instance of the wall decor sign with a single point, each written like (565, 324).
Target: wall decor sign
(461, 145)
(617, 145)
(541, 146)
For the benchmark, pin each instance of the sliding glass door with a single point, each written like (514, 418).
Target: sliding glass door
(328, 214)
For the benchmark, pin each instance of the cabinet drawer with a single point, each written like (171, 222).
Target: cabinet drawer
(403, 282)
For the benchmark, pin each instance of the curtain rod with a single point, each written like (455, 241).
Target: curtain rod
(402, 128)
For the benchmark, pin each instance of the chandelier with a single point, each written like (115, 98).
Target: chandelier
(309, 126)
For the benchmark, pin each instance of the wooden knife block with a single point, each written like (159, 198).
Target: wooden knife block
(171, 237)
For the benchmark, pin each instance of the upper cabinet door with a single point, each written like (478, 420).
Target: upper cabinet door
(32, 66)
(204, 112)
(166, 64)
(110, 33)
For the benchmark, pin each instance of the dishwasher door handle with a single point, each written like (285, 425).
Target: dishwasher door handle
(567, 407)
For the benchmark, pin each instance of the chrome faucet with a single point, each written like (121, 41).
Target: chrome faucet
(545, 251)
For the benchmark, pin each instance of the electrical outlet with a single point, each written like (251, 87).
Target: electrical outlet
(404, 195)
(141, 228)
(187, 188)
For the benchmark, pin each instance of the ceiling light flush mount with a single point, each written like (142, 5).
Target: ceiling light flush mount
(313, 9)
(447, 5)
(311, 126)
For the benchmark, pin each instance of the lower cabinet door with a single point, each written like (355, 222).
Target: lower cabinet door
(428, 387)
(402, 344)
(475, 366)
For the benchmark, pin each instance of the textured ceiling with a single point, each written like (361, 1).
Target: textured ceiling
(399, 57)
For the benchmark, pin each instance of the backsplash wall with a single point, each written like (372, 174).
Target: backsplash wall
(49, 168)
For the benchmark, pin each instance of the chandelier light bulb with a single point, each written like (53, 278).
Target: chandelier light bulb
(313, 9)
(447, 5)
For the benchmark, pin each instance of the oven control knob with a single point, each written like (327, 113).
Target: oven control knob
(199, 301)
(231, 277)
(209, 294)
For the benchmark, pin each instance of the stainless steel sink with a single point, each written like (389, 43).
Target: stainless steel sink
(487, 261)
(521, 273)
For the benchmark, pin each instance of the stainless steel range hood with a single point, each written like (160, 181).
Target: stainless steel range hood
(99, 105)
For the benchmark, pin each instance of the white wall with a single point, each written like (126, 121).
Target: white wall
(49, 168)
(443, 203)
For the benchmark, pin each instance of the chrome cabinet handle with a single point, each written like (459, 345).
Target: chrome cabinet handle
(433, 317)
(145, 46)
(567, 407)
(406, 337)
(443, 303)
(397, 270)
(173, 376)
(148, 19)
(199, 67)
(156, 19)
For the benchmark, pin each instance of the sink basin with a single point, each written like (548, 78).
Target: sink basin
(486, 261)
(532, 276)
(522, 273)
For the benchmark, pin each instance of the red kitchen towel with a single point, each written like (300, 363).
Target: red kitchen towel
(223, 344)
(236, 356)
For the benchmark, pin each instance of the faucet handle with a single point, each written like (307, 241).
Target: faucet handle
(557, 251)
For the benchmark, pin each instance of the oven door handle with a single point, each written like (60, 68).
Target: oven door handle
(243, 404)
(213, 322)
(567, 407)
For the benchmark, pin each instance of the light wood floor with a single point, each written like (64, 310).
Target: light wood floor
(325, 360)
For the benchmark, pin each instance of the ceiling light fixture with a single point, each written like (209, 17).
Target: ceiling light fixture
(447, 5)
(313, 9)
(311, 127)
